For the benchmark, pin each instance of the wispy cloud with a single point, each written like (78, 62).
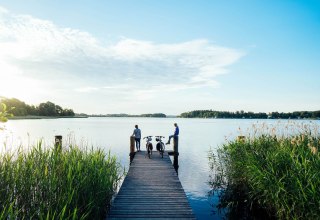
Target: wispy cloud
(70, 59)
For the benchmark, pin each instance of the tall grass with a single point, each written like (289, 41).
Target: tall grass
(46, 183)
(276, 173)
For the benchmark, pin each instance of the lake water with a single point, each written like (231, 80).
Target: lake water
(197, 136)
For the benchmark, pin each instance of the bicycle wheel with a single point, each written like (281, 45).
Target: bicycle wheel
(162, 149)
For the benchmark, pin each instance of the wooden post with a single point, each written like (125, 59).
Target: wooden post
(176, 153)
(58, 142)
(132, 143)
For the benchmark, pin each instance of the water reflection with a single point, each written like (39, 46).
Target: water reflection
(203, 207)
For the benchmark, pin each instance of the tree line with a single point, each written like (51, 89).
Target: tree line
(154, 115)
(242, 114)
(20, 108)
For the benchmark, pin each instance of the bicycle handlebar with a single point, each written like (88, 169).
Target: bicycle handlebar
(152, 136)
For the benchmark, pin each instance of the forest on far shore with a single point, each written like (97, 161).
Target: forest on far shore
(19, 108)
(242, 114)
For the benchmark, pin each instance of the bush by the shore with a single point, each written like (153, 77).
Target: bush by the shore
(51, 184)
(269, 175)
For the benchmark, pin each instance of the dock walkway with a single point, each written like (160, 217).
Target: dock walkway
(151, 190)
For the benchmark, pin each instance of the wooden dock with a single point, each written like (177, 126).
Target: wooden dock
(151, 190)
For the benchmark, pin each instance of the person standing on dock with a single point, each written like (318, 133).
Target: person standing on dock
(176, 133)
(137, 136)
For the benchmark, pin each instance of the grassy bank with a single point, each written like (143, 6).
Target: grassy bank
(50, 184)
(269, 174)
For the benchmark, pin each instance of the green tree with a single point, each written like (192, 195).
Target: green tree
(32, 110)
(316, 114)
(18, 108)
(47, 109)
(59, 110)
(67, 112)
(4, 114)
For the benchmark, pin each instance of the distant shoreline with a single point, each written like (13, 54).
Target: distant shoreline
(43, 117)
(104, 116)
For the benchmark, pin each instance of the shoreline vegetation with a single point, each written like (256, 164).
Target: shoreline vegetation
(43, 183)
(271, 173)
(250, 115)
(46, 109)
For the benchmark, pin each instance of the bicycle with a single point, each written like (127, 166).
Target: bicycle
(149, 146)
(160, 145)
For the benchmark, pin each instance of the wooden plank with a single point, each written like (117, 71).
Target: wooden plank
(151, 190)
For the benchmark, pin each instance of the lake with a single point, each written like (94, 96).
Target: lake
(197, 136)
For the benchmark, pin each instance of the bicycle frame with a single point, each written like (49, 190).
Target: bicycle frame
(160, 145)
(149, 146)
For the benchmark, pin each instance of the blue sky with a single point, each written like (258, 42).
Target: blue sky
(162, 56)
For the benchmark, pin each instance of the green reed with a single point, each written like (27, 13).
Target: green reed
(269, 172)
(44, 183)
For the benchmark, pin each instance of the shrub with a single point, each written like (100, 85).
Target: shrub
(272, 173)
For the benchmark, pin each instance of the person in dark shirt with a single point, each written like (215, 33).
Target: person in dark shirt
(137, 136)
(176, 133)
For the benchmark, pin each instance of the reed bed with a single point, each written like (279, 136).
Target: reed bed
(47, 183)
(271, 173)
